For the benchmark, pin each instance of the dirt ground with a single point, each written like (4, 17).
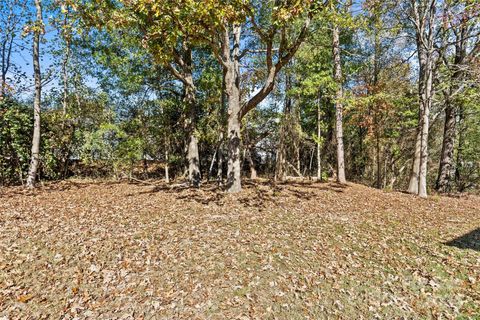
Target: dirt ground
(98, 250)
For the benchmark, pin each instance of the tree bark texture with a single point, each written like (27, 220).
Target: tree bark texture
(338, 106)
(35, 158)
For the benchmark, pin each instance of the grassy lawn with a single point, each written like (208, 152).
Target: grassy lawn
(294, 251)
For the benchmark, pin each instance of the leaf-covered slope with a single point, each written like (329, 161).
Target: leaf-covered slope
(296, 251)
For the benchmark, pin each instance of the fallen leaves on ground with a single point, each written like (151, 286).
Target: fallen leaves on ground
(83, 250)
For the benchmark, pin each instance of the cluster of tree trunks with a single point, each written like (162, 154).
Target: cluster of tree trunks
(226, 47)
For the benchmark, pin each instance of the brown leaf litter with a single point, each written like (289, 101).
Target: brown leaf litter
(83, 250)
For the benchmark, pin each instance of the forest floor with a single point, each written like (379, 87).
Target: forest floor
(98, 250)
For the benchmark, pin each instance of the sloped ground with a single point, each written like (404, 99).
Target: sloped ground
(297, 251)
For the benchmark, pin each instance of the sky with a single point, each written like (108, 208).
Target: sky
(22, 53)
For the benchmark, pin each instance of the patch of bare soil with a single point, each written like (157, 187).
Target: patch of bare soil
(78, 250)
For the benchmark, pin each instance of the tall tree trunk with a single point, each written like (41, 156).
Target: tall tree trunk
(249, 146)
(230, 59)
(285, 129)
(425, 23)
(194, 176)
(220, 159)
(251, 164)
(11, 25)
(167, 160)
(376, 71)
(6, 53)
(65, 84)
(66, 59)
(319, 142)
(460, 150)
(446, 170)
(413, 184)
(32, 172)
(426, 102)
(193, 157)
(233, 136)
(185, 62)
(281, 155)
(65, 148)
(338, 105)
(222, 129)
(377, 148)
(232, 83)
(297, 155)
(422, 181)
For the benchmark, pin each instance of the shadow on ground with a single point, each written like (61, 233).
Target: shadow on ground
(256, 193)
(470, 240)
(47, 187)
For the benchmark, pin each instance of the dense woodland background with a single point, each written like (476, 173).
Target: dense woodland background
(385, 93)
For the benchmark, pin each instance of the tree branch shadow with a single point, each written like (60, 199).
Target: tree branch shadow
(259, 193)
(469, 240)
